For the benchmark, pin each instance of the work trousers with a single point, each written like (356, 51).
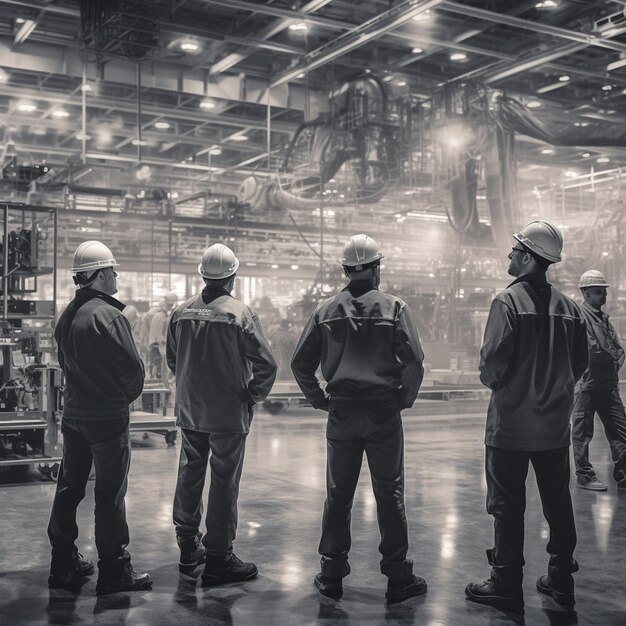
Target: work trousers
(106, 444)
(155, 361)
(379, 434)
(225, 452)
(609, 407)
(506, 472)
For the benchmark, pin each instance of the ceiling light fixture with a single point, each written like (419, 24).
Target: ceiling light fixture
(533, 104)
(547, 151)
(60, 113)
(301, 75)
(388, 78)
(86, 88)
(215, 151)
(26, 107)
(417, 51)
(564, 78)
(401, 83)
(298, 26)
(547, 4)
(162, 125)
(586, 155)
(189, 45)
(139, 142)
(615, 65)
(607, 87)
(458, 56)
(240, 138)
(207, 104)
(602, 160)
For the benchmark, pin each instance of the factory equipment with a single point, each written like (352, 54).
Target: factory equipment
(30, 383)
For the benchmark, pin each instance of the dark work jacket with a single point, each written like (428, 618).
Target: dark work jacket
(368, 347)
(222, 361)
(534, 351)
(606, 355)
(97, 353)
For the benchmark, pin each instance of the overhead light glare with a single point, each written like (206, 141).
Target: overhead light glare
(533, 104)
(240, 138)
(294, 267)
(80, 136)
(423, 16)
(458, 56)
(139, 142)
(162, 125)
(189, 45)
(86, 88)
(301, 75)
(547, 151)
(60, 113)
(26, 107)
(388, 78)
(207, 104)
(401, 83)
(298, 26)
(602, 160)
(586, 155)
(417, 51)
(215, 151)
(564, 78)
(19, 20)
(547, 4)
(4, 77)
(607, 87)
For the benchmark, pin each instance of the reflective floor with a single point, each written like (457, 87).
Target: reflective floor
(281, 500)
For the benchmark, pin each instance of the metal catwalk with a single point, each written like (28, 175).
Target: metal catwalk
(280, 508)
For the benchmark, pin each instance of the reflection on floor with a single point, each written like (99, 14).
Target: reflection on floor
(280, 510)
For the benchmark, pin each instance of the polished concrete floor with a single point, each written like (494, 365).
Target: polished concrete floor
(281, 500)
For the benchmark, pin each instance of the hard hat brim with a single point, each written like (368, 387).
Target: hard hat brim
(376, 257)
(536, 249)
(227, 274)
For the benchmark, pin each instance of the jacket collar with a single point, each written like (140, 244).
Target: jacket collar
(211, 293)
(86, 293)
(590, 309)
(359, 287)
(531, 278)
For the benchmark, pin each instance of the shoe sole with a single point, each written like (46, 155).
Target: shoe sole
(513, 605)
(107, 591)
(335, 594)
(589, 488)
(564, 599)
(214, 581)
(394, 597)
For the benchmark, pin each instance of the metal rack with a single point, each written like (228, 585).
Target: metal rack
(30, 387)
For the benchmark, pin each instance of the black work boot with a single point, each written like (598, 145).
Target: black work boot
(502, 590)
(62, 578)
(126, 580)
(228, 569)
(400, 590)
(559, 583)
(192, 553)
(331, 586)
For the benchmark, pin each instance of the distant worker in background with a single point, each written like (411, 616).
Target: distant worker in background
(283, 341)
(598, 389)
(371, 359)
(155, 333)
(534, 351)
(223, 365)
(104, 374)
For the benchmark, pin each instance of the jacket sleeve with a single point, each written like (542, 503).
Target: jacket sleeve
(305, 361)
(408, 352)
(171, 346)
(580, 353)
(128, 364)
(259, 354)
(498, 344)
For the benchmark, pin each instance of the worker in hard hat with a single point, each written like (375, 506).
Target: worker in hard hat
(223, 365)
(534, 351)
(155, 333)
(371, 360)
(598, 389)
(103, 374)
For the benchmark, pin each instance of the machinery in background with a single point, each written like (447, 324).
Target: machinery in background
(31, 384)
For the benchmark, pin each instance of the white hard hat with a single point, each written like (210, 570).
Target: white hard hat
(218, 261)
(543, 239)
(592, 278)
(360, 250)
(91, 256)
